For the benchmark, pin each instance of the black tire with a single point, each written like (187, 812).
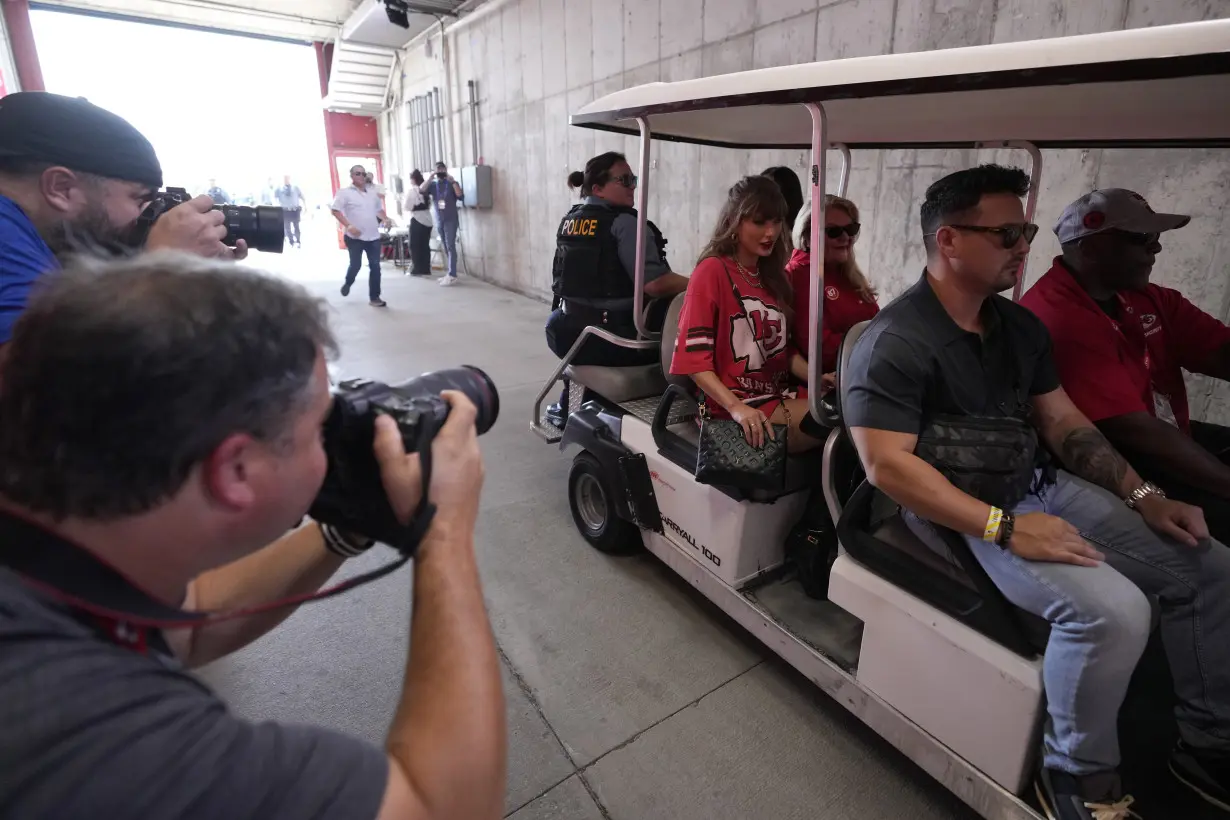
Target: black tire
(592, 501)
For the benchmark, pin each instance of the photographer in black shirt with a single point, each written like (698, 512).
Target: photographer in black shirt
(160, 423)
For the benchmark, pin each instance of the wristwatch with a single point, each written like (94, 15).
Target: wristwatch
(1006, 525)
(1138, 494)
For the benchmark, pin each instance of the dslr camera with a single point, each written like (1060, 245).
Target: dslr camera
(352, 497)
(261, 227)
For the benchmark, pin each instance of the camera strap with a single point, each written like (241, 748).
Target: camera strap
(131, 617)
(86, 583)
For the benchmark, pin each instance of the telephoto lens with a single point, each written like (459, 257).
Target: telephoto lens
(352, 496)
(261, 227)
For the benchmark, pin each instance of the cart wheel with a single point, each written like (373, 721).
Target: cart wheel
(593, 509)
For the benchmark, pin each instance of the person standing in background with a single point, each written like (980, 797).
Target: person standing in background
(375, 186)
(792, 190)
(359, 211)
(219, 196)
(290, 199)
(420, 226)
(445, 193)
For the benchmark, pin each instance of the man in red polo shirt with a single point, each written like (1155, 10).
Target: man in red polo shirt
(1122, 345)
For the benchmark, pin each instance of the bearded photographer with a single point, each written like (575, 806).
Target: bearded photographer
(160, 423)
(75, 177)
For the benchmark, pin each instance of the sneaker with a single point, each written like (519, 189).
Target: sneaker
(346, 289)
(378, 303)
(555, 415)
(1092, 797)
(1205, 773)
(448, 281)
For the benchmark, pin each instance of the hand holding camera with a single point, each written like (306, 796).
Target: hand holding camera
(174, 220)
(457, 474)
(381, 441)
(192, 226)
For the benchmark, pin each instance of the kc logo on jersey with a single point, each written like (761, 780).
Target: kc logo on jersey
(769, 325)
(831, 293)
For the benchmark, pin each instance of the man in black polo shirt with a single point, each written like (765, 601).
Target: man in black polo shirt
(950, 351)
(161, 424)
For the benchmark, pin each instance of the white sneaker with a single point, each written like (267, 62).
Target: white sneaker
(448, 281)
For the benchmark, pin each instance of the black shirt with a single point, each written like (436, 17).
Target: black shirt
(94, 729)
(913, 362)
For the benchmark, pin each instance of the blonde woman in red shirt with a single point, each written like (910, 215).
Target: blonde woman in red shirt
(735, 327)
(848, 297)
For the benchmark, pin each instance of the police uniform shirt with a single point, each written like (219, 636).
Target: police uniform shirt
(623, 228)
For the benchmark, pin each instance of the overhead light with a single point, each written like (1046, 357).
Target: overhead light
(397, 12)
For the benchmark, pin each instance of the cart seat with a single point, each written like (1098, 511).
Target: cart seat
(619, 384)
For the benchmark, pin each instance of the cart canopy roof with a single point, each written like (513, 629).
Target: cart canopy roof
(1162, 87)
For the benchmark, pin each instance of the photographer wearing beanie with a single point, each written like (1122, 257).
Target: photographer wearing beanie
(74, 177)
(160, 423)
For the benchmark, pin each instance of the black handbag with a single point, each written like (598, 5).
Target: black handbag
(723, 455)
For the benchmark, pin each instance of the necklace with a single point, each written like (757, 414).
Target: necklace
(752, 277)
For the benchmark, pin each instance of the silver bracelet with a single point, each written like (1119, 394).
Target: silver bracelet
(343, 544)
(1138, 494)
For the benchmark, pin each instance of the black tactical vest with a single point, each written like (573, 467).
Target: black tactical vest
(587, 262)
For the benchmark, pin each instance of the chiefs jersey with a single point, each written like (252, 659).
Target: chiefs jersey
(745, 342)
(843, 309)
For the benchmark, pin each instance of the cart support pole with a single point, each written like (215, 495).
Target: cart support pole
(642, 216)
(843, 182)
(1031, 201)
(819, 134)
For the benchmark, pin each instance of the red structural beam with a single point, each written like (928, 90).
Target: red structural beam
(21, 40)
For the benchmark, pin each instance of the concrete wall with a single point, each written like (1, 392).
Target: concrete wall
(538, 60)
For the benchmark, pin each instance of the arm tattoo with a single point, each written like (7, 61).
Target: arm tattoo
(1087, 453)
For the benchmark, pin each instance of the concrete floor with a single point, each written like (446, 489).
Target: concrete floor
(629, 697)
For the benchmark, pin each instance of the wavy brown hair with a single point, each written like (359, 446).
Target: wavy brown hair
(756, 198)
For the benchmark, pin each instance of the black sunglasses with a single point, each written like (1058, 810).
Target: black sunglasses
(1008, 235)
(1132, 238)
(834, 231)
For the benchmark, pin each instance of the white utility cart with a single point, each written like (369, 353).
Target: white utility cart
(920, 647)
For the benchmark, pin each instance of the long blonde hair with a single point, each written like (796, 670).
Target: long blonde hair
(755, 197)
(850, 269)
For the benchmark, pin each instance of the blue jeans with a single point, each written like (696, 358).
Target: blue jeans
(1100, 618)
(358, 248)
(448, 235)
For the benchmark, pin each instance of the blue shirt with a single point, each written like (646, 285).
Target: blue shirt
(24, 257)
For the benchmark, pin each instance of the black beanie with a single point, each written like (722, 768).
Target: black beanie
(77, 134)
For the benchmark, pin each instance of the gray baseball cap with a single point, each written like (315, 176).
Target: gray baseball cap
(1113, 209)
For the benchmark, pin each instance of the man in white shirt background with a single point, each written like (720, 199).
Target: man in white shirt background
(360, 211)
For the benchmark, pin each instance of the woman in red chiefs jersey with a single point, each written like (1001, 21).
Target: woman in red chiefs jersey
(848, 297)
(734, 330)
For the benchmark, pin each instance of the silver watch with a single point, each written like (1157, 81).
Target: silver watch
(1136, 495)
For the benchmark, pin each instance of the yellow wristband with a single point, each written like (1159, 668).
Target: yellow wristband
(992, 530)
